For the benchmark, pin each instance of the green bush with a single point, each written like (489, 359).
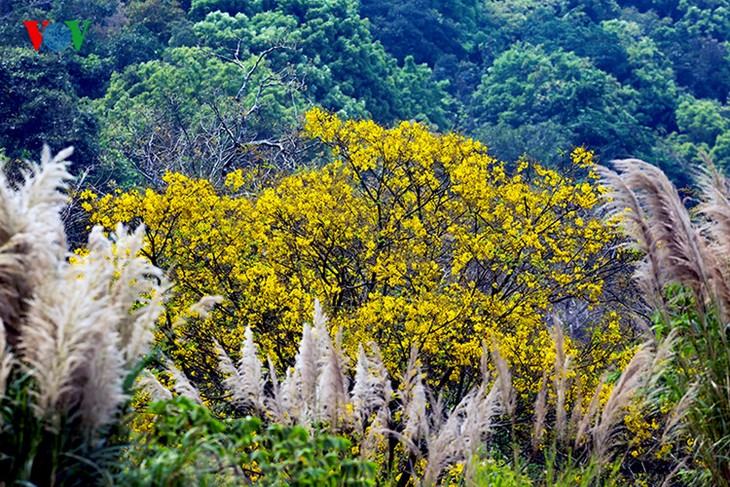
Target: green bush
(186, 445)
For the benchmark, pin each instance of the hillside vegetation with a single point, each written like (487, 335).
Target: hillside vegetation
(330, 242)
(205, 86)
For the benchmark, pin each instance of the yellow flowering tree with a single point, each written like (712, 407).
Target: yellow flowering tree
(407, 238)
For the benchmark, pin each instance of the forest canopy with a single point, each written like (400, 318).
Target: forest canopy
(628, 78)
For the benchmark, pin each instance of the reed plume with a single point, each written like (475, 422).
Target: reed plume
(149, 383)
(6, 361)
(372, 389)
(659, 223)
(371, 394)
(540, 414)
(561, 376)
(70, 324)
(413, 403)
(314, 393)
(695, 256)
(632, 378)
(332, 395)
(301, 384)
(245, 381)
(74, 328)
(182, 384)
(32, 239)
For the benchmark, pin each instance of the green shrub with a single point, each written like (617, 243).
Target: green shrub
(186, 445)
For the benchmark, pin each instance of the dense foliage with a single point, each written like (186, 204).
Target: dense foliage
(427, 180)
(162, 84)
(72, 358)
(407, 238)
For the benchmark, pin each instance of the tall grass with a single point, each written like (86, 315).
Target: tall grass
(315, 393)
(685, 272)
(434, 439)
(72, 332)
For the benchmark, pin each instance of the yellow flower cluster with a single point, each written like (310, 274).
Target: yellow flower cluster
(641, 430)
(407, 237)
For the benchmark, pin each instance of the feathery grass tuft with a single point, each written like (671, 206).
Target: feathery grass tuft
(246, 381)
(74, 332)
(632, 378)
(692, 295)
(413, 403)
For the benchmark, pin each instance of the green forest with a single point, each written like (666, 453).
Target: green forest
(642, 79)
(359, 242)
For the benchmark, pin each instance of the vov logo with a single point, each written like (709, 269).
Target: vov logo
(56, 36)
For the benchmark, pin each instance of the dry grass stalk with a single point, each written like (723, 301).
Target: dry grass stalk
(79, 341)
(477, 424)
(15, 290)
(504, 379)
(275, 404)
(444, 447)
(331, 398)
(621, 201)
(696, 256)
(375, 395)
(413, 403)
(673, 427)
(361, 391)
(586, 419)
(301, 385)
(204, 306)
(633, 377)
(182, 385)
(677, 251)
(716, 208)
(6, 360)
(686, 253)
(540, 414)
(226, 367)
(247, 384)
(32, 238)
(372, 389)
(331, 389)
(135, 330)
(561, 374)
(458, 436)
(153, 387)
(313, 391)
(69, 325)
